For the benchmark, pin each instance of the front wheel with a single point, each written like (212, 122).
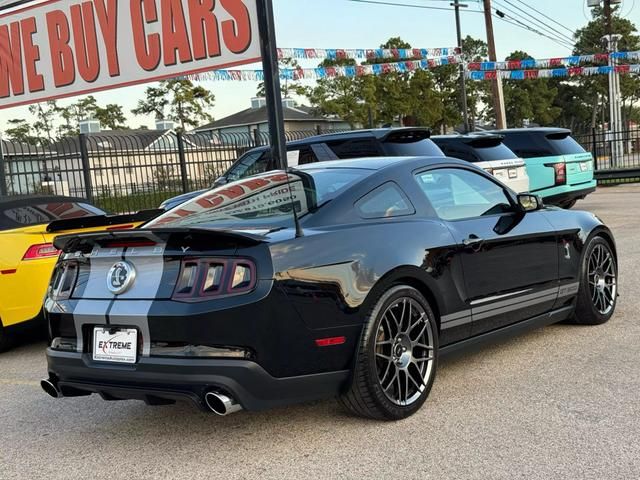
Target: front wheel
(598, 294)
(569, 205)
(397, 357)
(5, 339)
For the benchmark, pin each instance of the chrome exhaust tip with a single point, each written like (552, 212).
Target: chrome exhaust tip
(50, 388)
(221, 404)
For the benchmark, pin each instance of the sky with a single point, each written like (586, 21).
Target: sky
(349, 24)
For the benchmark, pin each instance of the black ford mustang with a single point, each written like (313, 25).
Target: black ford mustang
(233, 301)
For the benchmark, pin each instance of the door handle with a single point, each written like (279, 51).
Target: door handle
(473, 241)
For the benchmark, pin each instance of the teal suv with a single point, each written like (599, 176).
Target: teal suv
(559, 169)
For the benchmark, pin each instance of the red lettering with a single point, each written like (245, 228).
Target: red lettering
(255, 184)
(210, 202)
(232, 192)
(64, 72)
(147, 47)
(86, 41)
(10, 60)
(108, 20)
(236, 32)
(31, 54)
(204, 29)
(280, 177)
(174, 33)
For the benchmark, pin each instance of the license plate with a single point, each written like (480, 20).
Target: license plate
(513, 173)
(584, 166)
(115, 345)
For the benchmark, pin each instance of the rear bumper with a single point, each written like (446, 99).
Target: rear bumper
(161, 380)
(569, 195)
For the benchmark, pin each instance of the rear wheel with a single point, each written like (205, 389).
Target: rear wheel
(5, 339)
(598, 292)
(397, 357)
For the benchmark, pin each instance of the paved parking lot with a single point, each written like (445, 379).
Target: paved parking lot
(561, 402)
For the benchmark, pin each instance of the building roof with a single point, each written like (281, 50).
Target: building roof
(255, 116)
(19, 149)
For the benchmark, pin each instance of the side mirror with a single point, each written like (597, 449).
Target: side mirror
(530, 203)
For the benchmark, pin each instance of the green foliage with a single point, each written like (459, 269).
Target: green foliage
(287, 86)
(20, 131)
(178, 100)
(45, 115)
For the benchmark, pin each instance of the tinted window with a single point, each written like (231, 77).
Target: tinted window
(457, 194)
(261, 201)
(539, 144)
(461, 152)
(564, 144)
(354, 148)
(20, 215)
(420, 148)
(251, 163)
(384, 202)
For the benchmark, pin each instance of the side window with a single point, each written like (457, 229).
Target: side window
(354, 148)
(250, 164)
(457, 194)
(385, 201)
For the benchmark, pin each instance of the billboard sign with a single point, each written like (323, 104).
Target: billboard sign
(62, 48)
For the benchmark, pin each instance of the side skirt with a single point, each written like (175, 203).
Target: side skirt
(507, 332)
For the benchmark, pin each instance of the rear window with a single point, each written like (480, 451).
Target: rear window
(420, 148)
(539, 144)
(263, 201)
(22, 214)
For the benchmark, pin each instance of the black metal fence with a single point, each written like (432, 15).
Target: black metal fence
(616, 153)
(125, 171)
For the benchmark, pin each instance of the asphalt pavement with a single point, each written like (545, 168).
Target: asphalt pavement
(560, 402)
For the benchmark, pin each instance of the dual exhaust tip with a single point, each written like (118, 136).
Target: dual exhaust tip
(216, 402)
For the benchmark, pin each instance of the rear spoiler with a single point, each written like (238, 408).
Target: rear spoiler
(106, 221)
(86, 241)
(407, 135)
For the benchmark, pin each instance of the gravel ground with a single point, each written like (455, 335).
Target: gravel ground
(560, 402)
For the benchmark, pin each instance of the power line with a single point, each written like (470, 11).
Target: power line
(410, 5)
(505, 18)
(549, 28)
(547, 17)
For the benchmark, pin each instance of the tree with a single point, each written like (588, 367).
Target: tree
(593, 91)
(287, 86)
(530, 99)
(475, 50)
(20, 131)
(84, 109)
(111, 117)
(45, 115)
(178, 100)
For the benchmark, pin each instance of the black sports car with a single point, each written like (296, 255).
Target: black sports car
(233, 301)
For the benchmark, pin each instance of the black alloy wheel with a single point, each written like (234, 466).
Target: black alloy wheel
(598, 294)
(397, 358)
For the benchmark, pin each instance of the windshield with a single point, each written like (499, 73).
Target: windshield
(262, 201)
(21, 213)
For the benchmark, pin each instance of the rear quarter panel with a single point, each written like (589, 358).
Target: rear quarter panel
(334, 277)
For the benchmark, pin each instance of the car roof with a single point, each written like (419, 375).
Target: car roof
(378, 163)
(467, 138)
(543, 130)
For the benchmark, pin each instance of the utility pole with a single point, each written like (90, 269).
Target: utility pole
(498, 96)
(615, 111)
(463, 81)
(273, 93)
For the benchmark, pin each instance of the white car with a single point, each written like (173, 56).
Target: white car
(489, 153)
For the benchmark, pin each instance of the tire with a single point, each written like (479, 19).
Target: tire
(569, 205)
(396, 363)
(6, 341)
(598, 293)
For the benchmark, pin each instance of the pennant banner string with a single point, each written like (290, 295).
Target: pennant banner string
(370, 54)
(531, 64)
(553, 72)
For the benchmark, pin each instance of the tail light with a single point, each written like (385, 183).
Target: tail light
(63, 280)
(44, 250)
(203, 278)
(560, 170)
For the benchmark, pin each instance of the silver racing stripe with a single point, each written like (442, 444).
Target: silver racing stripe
(133, 313)
(102, 259)
(89, 312)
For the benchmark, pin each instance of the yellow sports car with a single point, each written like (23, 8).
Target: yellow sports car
(28, 226)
